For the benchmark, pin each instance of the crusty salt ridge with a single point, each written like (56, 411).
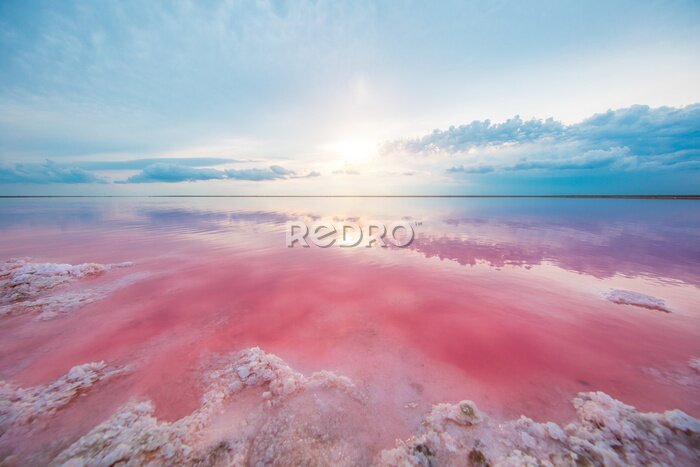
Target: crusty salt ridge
(25, 287)
(321, 419)
(22, 279)
(133, 436)
(607, 432)
(629, 297)
(54, 305)
(51, 306)
(20, 406)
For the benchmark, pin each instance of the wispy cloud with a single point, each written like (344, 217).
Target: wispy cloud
(346, 172)
(171, 173)
(274, 172)
(475, 169)
(47, 172)
(164, 171)
(140, 164)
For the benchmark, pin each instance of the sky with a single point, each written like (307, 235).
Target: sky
(356, 97)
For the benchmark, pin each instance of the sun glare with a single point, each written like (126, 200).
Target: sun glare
(353, 150)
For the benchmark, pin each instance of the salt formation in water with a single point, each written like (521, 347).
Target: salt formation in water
(629, 297)
(23, 279)
(50, 307)
(20, 406)
(133, 436)
(289, 418)
(607, 432)
(23, 285)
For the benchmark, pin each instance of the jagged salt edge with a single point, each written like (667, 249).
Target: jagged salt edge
(51, 306)
(134, 436)
(607, 430)
(20, 406)
(22, 279)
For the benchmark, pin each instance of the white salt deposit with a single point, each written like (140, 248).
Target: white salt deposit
(19, 406)
(22, 279)
(629, 297)
(133, 436)
(607, 432)
(322, 420)
(51, 306)
(27, 287)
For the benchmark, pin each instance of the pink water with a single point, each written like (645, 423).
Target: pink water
(497, 301)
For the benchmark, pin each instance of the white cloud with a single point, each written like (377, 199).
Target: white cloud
(47, 172)
(633, 138)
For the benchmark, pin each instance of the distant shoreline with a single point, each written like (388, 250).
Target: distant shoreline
(685, 197)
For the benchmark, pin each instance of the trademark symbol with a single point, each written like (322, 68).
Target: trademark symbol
(417, 223)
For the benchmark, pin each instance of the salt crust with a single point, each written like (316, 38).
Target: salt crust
(629, 297)
(299, 418)
(24, 286)
(133, 436)
(607, 432)
(22, 406)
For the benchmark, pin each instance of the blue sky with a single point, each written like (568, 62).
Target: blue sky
(486, 97)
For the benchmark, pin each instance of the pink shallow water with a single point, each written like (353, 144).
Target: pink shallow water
(500, 302)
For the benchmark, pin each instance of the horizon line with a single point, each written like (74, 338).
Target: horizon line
(677, 196)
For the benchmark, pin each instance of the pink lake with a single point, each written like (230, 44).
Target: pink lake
(503, 302)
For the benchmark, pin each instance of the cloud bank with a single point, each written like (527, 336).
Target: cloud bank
(184, 170)
(140, 164)
(635, 149)
(46, 172)
(633, 138)
(170, 173)
(274, 172)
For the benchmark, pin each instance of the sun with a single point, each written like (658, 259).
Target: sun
(353, 150)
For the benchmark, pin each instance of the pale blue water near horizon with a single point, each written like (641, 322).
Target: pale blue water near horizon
(504, 301)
